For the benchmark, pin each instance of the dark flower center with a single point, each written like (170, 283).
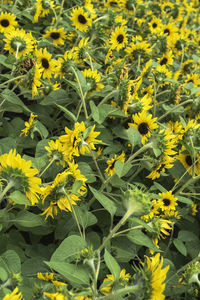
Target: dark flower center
(120, 38)
(191, 80)
(82, 19)
(163, 61)
(143, 128)
(113, 3)
(5, 23)
(154, 25)
(55, 35)
(188, 160)
(161, 168)
(167, 31)
(166, 202)
(45, 63)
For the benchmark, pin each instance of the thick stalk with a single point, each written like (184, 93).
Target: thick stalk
(6, 189)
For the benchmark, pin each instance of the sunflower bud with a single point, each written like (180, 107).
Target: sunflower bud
(137, 202)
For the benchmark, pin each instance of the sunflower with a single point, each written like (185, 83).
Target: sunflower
(176, 129)
(19, 174)
(118, 38)
(128, 6)
(15, 295)
(47, 64)
(42, 8)
(55, 296)
(154, 276)
(7, 22)
(18, 42)
(141, 49)
(50, 278)
(108, 282)
(80, 19)
(114, 5)
(168, 201)
(37, 73)
(56, 152)
(89, 141)
(93, 79)
(154, 25)
(80, 53)
(29, 125)
(144, 123)
(188, 162)
(59, 194)
(166, 163)
(166, 59)
(57, 35)
(110, 170)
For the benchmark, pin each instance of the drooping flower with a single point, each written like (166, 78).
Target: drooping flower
(109, 281)
(155, 277)
(18, 42)
(56, 152)
(50, 278)
(15, 295)
(19, 173)
(29, 125)
(93, 79)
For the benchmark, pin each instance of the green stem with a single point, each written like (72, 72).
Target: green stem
(11, 80)
(111, 94)
(60, 12)
(6, 189)
(174, 108)
(96, 164)
(139, 151)
(127, 230)
(191, 180)
(126, 290)
(81, 92)
(49, 164)
(115, 229)
(74, 213)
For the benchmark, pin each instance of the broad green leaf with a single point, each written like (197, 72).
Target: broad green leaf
(134, 136)
(69, 248)
(160, 187)
(180, 246)
(10, 261)
(7, 144)
(28, 219)
(85, 217)
(139, 238)
(3, 274)
(187, 236)
(112, 264)
(76, 275)
(108, 204)
(41, 129)
(68, 113)
(11, 97)
(121, 168)
(95, 112)
(19, 198)
(59, 96)
(184, 200)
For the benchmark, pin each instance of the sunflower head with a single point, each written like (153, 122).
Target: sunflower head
(7, 22)
(80, 19)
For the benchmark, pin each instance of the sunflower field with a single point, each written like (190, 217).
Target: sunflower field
(99, 149)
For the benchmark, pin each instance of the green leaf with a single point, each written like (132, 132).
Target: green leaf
(184, 200)
(160, 187)
(121, 168)
(180, 246)
(76, 275)
(59, 96)
(41, 129)
(11, 97)
(3, 274)
(95, 112)
(134, 136)
(68, 113)
(7, 144)
(139, 238)
(10, 261)
(112, 264)
(187, 236)
(85, 217)
(69, 248)
(28, 219)
(108, 204)
(19, 198)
